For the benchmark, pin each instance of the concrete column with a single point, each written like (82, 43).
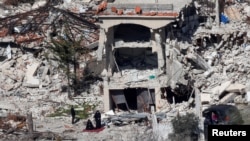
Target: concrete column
(152, 40)
(106, 95)
(217, 16)
(158, 34)
(157, 98)
(198, 106)
(102, 42)
(109, 66)
(109, 51)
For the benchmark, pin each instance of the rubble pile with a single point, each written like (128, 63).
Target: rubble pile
(13, 122)
(29, 78)
(215, 57)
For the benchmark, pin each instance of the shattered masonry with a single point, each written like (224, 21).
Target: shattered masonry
(163, 56)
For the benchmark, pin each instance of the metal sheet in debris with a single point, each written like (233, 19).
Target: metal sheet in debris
(145, 98)
(119, 97)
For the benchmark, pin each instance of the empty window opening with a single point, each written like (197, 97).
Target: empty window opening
(132, 33)
(139, 99)
(136, 58)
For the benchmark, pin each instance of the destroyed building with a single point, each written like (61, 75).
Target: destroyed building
(178, 57)
(142, 57)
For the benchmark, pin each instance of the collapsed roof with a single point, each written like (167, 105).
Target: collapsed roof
(45, 21)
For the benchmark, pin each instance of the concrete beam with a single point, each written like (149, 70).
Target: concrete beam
(101, 44)
(218, 91)
(236, 88)
(154, 22)
(229, 97)
(198, 60)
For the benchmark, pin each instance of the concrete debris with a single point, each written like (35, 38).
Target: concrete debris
(198, 60)
(248, 96)
(164, 67)
(229, 98)
(205, 98)
(38, 4)
(220, 89)
(30, 80)
(8, 52)
(236, 88)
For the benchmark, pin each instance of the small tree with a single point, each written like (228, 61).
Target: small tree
(185, 127)
(66, 49)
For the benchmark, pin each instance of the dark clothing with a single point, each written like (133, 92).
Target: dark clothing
(89, 125)
(73, 114)
(97, 117)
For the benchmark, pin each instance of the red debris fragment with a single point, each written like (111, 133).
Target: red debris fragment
(3, 32)
(138, 10)
(120, 12)
(114, 9)
(29, 37)
(102, 6)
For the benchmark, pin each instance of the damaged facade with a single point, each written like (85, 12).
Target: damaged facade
(142, 58)
(176, 57)
(26, 32)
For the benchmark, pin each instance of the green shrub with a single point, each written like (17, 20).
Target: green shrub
(81, 114)
(185, 127)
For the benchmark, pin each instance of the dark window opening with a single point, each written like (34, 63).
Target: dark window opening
(139, 99)
(132, 33)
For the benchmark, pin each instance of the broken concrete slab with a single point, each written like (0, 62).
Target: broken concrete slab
(7, 106)
(220, 89)
(197, 71)
(38, 4)
(31, 81)
(205, 98)
(45, 72)
(198, 60)
(248, 96)
(228, 98)
(8, 87)
(208, 73)
(236, 88)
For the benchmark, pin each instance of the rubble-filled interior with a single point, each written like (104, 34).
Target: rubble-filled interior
(135, 58)
(139, 99)
(177, 95)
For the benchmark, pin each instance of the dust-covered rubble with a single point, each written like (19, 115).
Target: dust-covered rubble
(217, 59)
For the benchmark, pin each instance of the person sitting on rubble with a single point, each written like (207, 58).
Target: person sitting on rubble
(214, 118)
(89, 125)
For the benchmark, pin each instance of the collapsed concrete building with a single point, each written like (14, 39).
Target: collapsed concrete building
(143, 63)
(160, 54)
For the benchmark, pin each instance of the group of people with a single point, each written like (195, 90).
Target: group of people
(89, 125)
